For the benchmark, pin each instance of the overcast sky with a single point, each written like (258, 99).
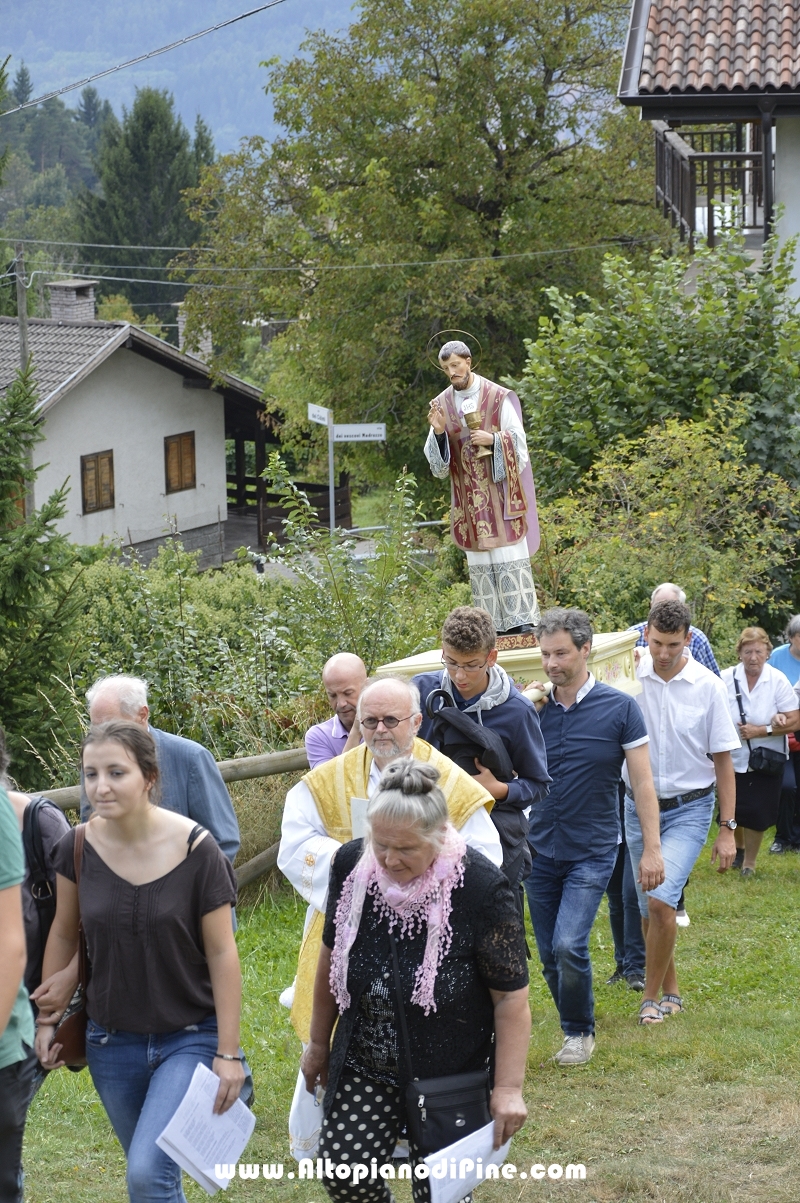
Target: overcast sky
(218, 76)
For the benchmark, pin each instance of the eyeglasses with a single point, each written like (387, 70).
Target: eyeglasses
(389, 722)
(452, 667)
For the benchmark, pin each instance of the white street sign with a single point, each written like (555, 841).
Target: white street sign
(318, 413)
(360, 432)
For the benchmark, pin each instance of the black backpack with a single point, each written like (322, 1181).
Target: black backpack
(42, 886)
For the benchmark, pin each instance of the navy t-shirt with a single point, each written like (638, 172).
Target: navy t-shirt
(585, 753)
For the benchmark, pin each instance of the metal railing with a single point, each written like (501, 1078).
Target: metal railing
(243, 768)
(693, 185)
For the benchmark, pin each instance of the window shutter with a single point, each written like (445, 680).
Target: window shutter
(179, 459)
(105, 476)
(172, 452)
(89, 474)
(97, 481)
(187, 460)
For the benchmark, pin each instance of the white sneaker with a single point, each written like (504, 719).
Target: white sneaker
(576, 1050)
(681, 918)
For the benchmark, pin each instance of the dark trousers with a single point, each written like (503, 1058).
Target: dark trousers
(624, 917)
(788, 828)
(15, 1094)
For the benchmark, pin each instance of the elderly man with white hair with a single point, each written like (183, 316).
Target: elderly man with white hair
(190, 783)
(326, 809)
(699, 646)
(477, 438)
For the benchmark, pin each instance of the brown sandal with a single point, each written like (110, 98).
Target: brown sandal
(650, 1004)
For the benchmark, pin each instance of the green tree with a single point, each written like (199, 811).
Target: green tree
(679, 504)
(144, 163)
(92, 114)
(651, 346)
(459, 143)
(22, 87)
(39, 569)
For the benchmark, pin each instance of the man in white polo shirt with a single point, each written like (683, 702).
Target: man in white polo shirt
(692, 735)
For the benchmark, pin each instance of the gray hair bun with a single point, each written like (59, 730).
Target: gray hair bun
(410, 777)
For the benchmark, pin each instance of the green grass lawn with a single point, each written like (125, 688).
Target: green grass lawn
(703, 1107)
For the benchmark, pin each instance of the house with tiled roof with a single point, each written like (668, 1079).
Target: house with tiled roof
(725, 67)
(135, 426)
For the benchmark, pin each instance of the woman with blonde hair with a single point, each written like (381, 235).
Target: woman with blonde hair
(756, 691)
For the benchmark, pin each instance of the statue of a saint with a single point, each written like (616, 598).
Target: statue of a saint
(477, 438)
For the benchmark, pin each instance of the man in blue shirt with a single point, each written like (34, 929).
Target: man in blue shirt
(699, 646)
(589, 730)
(786, 659)
(190, 781)
(482, 689)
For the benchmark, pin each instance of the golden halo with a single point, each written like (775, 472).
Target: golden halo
(445, 336)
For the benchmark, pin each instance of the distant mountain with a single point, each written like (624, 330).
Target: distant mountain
(218, 76)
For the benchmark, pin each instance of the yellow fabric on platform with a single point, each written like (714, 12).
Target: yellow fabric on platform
(332, 785)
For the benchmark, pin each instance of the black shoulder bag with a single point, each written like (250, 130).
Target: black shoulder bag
(766, 761)
(42, 886)
(440, 1111)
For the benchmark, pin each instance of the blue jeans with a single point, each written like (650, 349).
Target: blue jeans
(141, 1080)
(564, 897)
(683, 833)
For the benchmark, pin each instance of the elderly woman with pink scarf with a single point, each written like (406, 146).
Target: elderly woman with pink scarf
(462, 966)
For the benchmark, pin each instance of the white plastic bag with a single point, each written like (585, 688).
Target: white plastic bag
(305, 1122)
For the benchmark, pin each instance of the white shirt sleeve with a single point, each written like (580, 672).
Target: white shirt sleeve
(785, 696)
(480, 832)
(722, 734)
(440, 464)
(306, 851)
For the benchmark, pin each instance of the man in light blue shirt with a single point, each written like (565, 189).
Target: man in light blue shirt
(786, 659)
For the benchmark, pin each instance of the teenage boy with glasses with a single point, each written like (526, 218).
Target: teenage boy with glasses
(480, 688)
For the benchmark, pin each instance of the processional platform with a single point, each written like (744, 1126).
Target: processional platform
(611, 660)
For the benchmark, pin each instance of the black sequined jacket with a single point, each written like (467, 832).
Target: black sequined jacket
(487, 952)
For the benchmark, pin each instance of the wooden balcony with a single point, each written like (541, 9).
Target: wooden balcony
(710, 177)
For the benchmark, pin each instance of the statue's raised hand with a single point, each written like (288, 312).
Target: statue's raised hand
(436, 417)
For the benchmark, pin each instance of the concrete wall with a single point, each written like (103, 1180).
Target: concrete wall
(130, 404)
(787, 183)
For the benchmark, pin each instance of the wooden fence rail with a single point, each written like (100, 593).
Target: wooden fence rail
(243, 768)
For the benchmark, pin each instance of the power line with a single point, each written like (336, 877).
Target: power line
(131, 62)
(95, 246)
(337, 267)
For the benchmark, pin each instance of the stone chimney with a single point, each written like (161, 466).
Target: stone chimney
(72, 300)
(205, 350)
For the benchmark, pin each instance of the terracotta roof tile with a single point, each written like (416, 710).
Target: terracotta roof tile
(721, 46)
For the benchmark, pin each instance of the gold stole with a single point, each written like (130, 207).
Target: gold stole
(332, 786)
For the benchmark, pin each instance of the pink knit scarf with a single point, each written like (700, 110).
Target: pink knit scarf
(424, 900)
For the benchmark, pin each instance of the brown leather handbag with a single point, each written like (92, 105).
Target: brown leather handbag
(71, 1030)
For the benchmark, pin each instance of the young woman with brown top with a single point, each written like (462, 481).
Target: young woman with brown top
(165, 992)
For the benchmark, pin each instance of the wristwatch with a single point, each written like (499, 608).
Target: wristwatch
(731, 824)
(768, 727)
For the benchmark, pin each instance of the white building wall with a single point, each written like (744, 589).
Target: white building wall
(787, 184)
(130, 405)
